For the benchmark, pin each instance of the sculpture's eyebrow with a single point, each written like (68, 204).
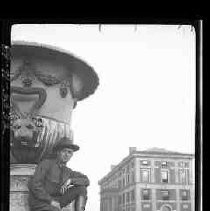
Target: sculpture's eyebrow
(47, 79)
(28, 70)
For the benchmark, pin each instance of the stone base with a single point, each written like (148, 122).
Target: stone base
(19, 176)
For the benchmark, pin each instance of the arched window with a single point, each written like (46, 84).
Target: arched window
(166, 208)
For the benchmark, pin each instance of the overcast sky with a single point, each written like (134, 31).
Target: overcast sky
(146, 96)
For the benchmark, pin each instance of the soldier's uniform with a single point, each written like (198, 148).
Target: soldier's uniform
(45, 185)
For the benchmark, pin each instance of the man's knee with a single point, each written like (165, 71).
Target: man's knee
(82, 190)
(54, 209)
(73, 194)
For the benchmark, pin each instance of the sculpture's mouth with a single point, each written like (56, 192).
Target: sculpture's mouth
(27, 101)
(24, 102)
(24, 141)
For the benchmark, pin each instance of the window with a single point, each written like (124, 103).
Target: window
(185, 206)
(119, 199)
(146, 205)
(183, 164)
(145, 175)
(132, 195)
(164, 176)
(164, 164)
(119, 183)
(146, 194)
(165, 194)
(128, 178)
(123, 182)
(166, 208)
(183, 176)
(132, 177)
(127, 197)
(132, 164)
(123, 198)
(145, 162)
(184, 194)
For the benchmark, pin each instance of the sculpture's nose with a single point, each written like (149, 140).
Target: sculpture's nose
(27, 101)
(23, 128)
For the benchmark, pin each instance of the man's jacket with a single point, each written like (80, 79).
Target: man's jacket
(48, 178)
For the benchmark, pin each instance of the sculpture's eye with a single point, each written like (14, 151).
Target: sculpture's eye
(34, 120)
(16, 127)
(63, 91)
(27, 82)
(30, 126)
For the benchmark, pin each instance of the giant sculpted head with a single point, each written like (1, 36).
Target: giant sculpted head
(46, 84)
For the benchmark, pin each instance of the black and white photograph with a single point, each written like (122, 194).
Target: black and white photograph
(103, 117)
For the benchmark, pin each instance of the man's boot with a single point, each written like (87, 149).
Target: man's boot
(80, 203)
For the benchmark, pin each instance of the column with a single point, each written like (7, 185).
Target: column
(137, 186)
(137, 170)
(176, 172)
(154, 208)
(177, 199)
(152, 171)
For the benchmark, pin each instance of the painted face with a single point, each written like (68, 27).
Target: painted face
(65, 155)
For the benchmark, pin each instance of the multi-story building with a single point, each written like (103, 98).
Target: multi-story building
(150, 180)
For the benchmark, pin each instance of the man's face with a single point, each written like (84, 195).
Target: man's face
(65, 155)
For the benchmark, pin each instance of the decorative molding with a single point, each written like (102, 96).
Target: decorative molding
(165, 186)
(28, 73)
(19, 183)
(19, 176)
(18, 200)
(64, 85)
(22, 169)
(47, 79)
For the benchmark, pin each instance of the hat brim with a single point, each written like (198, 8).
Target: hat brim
(62, 146)
(86, 73)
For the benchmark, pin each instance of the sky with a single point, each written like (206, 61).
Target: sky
(146, 95)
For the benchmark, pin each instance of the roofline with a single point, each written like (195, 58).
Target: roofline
(144, 154)
(171, 153)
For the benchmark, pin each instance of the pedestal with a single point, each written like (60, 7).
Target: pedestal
(19, 176)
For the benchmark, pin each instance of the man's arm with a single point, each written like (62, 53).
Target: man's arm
(36, 183)
(78, 178)
(75, 178)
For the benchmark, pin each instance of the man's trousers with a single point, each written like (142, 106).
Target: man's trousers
(70, 195)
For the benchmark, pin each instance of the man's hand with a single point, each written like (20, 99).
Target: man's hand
(55, 204)
(65, 186)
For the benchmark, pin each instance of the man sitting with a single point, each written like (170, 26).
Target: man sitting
(54, 185)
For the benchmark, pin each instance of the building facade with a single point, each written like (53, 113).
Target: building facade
(150, 180)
